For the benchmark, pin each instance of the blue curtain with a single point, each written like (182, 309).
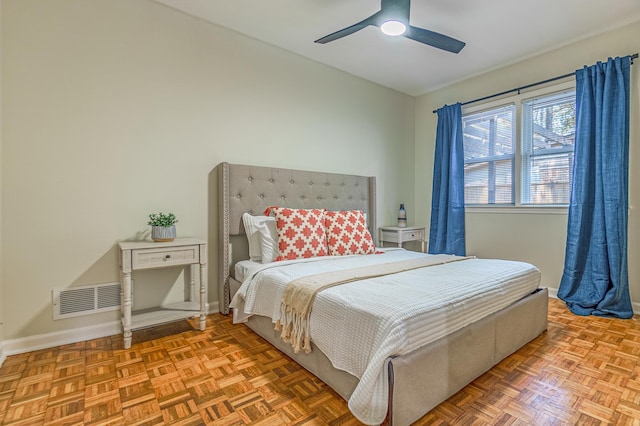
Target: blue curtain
(447, 201)
(595, 278)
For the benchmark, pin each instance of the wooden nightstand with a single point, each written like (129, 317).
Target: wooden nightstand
(393, 234)
(140, 255)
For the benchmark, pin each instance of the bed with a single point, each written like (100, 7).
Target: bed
(415, 381)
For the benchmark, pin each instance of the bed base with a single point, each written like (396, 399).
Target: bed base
(424, 378)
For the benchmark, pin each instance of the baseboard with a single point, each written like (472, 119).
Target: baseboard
(3, 356)
(65, 337)
(58, 338)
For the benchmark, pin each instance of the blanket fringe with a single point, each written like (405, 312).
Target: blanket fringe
(294, 329)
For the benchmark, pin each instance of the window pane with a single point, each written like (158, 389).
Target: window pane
(551, 179)
(488, 133)
(489, 156)
(476, 187)
(479, 188)
(547, 148)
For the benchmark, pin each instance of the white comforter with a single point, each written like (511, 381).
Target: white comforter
(358, 325)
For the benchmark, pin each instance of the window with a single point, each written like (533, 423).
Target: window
(520, 152)
(489, 156)
(548, 134)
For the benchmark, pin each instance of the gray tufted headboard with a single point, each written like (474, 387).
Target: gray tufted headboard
(252, 189)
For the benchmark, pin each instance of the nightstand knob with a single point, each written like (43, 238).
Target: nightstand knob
(168, 256)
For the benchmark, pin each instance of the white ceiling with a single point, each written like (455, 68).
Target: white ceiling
(497, 32)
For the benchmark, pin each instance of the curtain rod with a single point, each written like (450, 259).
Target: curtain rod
(518, 89)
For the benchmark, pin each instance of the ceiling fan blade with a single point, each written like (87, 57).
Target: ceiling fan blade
(434, 39)
(371, 20)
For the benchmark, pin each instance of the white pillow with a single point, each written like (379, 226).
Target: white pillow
(258, 235)
(268, 240)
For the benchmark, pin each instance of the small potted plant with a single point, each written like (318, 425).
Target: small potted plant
(163, 227)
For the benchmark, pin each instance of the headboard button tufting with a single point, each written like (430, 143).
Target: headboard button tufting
(292, 181)
(271, 180)
(250, 178)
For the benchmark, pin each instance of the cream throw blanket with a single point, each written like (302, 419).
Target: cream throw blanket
(300, 293)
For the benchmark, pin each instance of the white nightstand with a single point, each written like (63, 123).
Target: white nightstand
(140, 255)
(393, 234)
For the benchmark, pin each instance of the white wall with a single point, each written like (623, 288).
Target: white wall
(114, 109)
(537, 238)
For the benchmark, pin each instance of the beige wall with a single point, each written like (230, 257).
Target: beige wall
(538, 238)
(114, 109)
(2, 299)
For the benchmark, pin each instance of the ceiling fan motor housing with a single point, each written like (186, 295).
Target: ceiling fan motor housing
(398, 10)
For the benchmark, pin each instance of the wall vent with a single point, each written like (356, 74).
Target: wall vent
(85, 300)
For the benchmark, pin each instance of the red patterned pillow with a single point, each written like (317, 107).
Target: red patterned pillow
(347, 233)
(301, 232)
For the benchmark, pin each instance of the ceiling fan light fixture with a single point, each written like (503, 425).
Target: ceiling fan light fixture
(393, 28)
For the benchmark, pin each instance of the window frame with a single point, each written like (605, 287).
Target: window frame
(517, 100)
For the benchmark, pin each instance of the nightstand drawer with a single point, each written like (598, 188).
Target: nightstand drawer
(413, 235)
(174, 256)
(402, 235)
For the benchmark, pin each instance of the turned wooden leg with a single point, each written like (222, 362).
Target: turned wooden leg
(126, 305)
(203, 297)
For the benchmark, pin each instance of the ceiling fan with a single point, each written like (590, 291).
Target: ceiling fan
(393, 19)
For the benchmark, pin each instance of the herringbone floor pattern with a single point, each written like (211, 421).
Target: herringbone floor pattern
(583, 370)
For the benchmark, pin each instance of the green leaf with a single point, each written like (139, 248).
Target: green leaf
(161, 219)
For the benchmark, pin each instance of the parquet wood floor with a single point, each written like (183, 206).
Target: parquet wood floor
(583, 370)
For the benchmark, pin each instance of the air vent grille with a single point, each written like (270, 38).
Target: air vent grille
(76, 300)
(85, 300)
(108, 296)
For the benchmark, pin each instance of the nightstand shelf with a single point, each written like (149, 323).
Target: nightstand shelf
(394, 234)
(144, 318)
(142, 255)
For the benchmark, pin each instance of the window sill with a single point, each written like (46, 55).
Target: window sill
(564, 210)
